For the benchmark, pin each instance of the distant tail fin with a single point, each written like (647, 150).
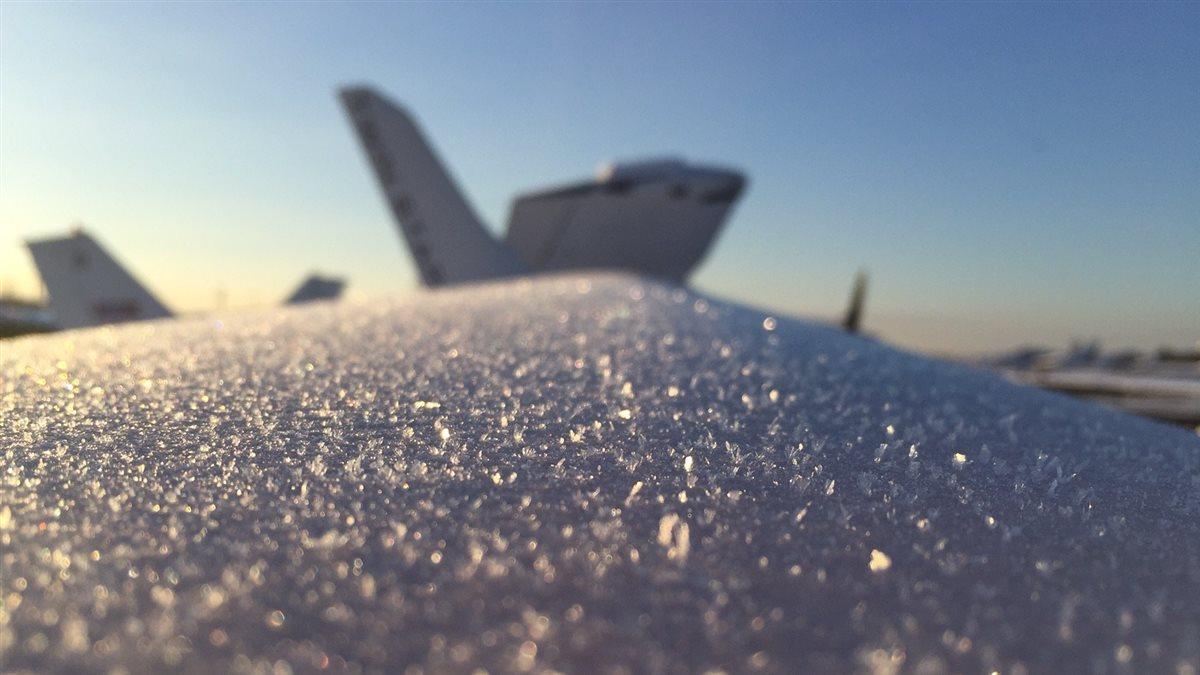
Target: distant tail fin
(87, 286)
(316, 287)
(446, 238)
(854, 310)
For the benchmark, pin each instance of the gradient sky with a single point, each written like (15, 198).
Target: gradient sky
(1007, 173)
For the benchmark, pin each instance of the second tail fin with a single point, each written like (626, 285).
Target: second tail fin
(315, 288)
(87, 286)
(446, 238)
(852, 321)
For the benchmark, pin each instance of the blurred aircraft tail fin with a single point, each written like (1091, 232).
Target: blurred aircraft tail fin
(316, 287)
(854, 310)
(87, 286)
(444, 235)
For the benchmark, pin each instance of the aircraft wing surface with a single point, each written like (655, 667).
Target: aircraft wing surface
(575, 473)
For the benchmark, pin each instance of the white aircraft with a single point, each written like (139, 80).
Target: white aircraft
(653, 217)
(656, 218)
(88, 287)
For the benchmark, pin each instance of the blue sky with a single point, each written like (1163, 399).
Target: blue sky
(1007, 173)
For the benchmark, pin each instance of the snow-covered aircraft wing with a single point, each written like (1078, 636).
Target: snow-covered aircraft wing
(574, 473)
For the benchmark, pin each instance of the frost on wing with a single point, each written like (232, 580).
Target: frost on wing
(572, 474)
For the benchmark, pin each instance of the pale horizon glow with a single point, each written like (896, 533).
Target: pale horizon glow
(1007, 174)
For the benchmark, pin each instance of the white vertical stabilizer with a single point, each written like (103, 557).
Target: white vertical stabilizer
(87, 286)
(446, 238)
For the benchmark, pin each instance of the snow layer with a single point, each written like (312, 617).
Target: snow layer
(576, 473)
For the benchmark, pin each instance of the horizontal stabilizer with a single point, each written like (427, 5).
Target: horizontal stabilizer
(657, 218)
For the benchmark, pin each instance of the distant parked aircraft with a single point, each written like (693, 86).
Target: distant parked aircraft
(88, 287)
(1164, 385)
